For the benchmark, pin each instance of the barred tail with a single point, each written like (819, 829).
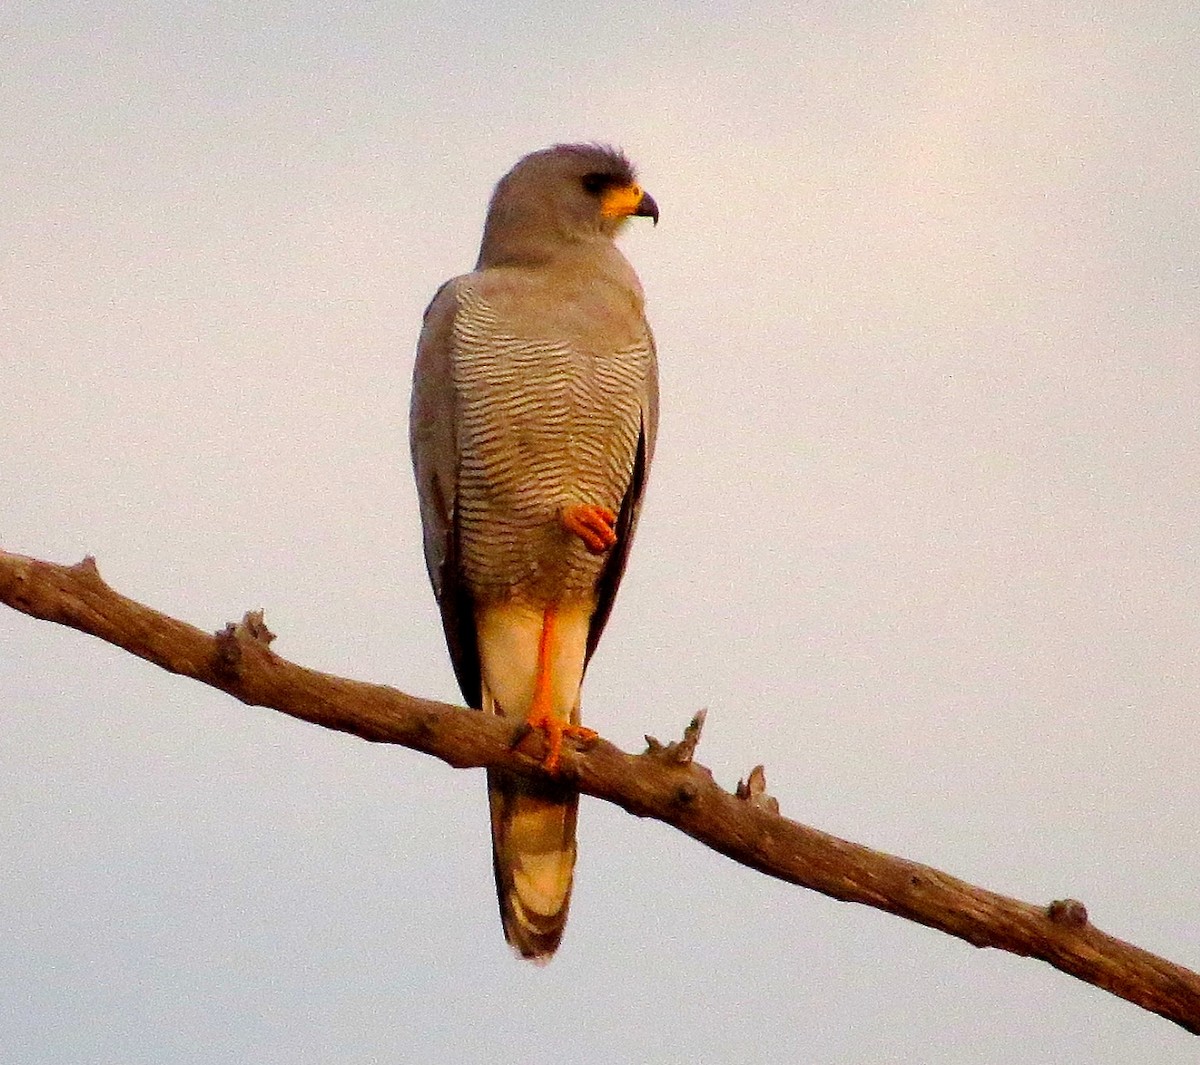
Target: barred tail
(533, 854)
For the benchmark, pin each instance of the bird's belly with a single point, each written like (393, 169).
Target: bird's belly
(511, 495)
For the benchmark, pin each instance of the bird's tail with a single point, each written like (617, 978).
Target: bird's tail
(533, 821)
(533, 854)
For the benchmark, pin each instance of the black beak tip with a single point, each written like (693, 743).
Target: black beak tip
(647, 208)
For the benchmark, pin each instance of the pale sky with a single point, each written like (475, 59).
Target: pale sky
(921, 534)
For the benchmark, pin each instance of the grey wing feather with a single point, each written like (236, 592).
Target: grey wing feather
(631, 508)
(433, 438)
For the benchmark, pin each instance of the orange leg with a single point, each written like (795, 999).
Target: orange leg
(541, 710)
(592, 524)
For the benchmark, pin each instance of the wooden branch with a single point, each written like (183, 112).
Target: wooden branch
(664, 783)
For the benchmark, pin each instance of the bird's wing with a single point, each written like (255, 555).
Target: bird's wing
(434, 439)
(631, 507)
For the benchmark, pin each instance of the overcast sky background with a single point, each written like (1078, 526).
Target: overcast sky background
(922, 531)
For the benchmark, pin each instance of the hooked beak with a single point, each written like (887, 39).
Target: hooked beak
(647, 208)
(624, 201)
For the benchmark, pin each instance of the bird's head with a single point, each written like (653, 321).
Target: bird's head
(567, 194)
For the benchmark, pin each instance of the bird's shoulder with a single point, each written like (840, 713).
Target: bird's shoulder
(575, 307)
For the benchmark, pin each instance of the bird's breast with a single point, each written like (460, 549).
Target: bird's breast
(548, 418)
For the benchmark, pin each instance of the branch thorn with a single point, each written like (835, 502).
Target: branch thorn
(754, 790)
(680, 752)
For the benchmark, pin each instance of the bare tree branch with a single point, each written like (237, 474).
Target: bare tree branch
(663, 783)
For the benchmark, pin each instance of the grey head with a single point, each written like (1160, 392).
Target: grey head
(560, 198)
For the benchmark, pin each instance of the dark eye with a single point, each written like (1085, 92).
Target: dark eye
(596, 183)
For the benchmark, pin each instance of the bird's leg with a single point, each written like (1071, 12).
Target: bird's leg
(592, 524)
(541, 709)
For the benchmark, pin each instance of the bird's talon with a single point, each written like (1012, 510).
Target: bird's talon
(593, 524)
(555, 731)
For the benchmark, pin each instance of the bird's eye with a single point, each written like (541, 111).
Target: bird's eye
(596, 183)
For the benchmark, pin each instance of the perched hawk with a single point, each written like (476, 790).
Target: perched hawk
(534, 409)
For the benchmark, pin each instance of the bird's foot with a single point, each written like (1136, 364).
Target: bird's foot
(593, 524)
(555, 729)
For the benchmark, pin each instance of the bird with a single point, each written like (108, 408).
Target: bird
(532, 428)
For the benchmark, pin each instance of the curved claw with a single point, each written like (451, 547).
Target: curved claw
(593, 524)
(555, 729)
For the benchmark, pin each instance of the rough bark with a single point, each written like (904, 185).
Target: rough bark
(663, 783)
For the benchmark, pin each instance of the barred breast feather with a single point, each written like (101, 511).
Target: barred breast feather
(545, 422)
